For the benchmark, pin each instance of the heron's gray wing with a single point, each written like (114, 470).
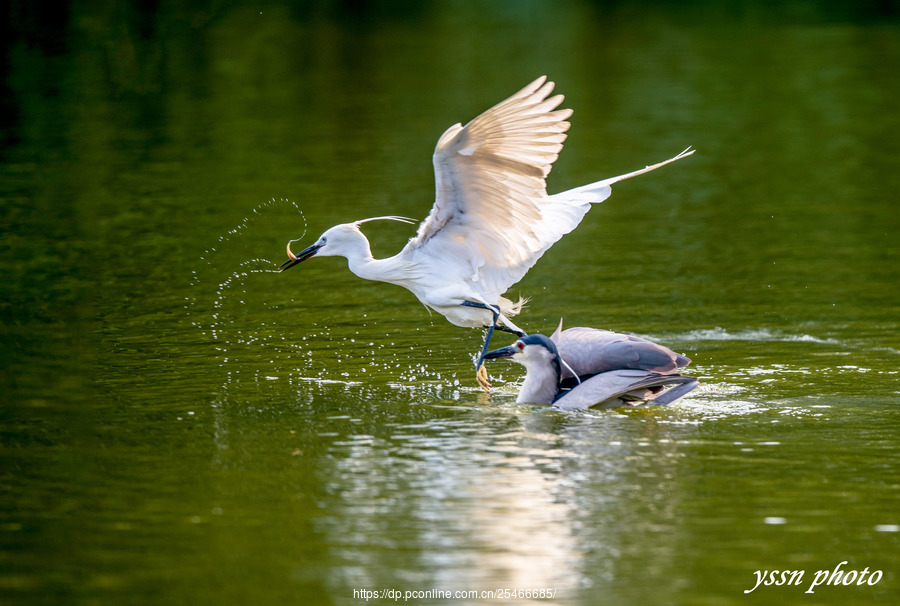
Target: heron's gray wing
(605, 390)
(590, 351)
(670, 395)
(489, 178)
(582, 350)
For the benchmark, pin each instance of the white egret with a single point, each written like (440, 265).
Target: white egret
(492, 218)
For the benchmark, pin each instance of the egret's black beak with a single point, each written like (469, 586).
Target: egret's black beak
(505, 353)
(304, 254)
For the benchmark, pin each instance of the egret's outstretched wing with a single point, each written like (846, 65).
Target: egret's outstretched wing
(489, 178)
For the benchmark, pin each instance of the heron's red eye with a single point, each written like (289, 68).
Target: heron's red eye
(520, 346)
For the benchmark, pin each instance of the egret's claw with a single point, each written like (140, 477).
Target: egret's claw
(482, 376)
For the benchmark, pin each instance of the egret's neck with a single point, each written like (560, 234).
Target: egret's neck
(363, 264)
(541, 384)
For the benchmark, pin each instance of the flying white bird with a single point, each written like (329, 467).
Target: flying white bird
(492, 218)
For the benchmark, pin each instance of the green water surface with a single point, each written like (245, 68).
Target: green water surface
(183, 425)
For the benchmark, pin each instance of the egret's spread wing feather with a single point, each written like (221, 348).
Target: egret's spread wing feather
(490, 189)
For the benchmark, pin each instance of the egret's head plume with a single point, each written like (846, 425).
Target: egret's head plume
(387, 218)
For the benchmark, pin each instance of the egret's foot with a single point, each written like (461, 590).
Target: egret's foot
(482, 376)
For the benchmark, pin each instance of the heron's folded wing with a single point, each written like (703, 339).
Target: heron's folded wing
(603, 390)
(489, 178)
(591, 350)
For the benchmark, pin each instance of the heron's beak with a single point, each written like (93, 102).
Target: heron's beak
(505, 353)
(304, 254)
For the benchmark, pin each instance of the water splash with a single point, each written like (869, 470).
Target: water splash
(226, 308)
(750, 334)
(247, 319)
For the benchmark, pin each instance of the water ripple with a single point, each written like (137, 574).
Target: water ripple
(750, 334)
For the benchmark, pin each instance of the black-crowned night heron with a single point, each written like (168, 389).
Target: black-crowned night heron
(583, 368)
(492, 218)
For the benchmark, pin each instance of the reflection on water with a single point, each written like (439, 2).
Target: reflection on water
(501, 501)
(492, 512)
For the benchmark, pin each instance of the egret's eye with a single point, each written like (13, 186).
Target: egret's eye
(520, 346)
(323, 240)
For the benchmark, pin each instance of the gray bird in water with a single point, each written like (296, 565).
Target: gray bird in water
(581, 368)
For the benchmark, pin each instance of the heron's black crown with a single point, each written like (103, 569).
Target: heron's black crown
(546, 343)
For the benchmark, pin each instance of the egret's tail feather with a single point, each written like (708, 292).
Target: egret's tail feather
(646, 169)
(512, 308)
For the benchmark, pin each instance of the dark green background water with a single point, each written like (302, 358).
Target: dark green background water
(181, 425)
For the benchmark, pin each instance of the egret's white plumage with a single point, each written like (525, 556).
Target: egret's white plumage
(492, 218)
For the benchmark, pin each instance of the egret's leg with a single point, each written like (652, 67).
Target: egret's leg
(480, 372)
(499, 323)
(481, 376)
(487, 339)
(506, 325)
(518, 333)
